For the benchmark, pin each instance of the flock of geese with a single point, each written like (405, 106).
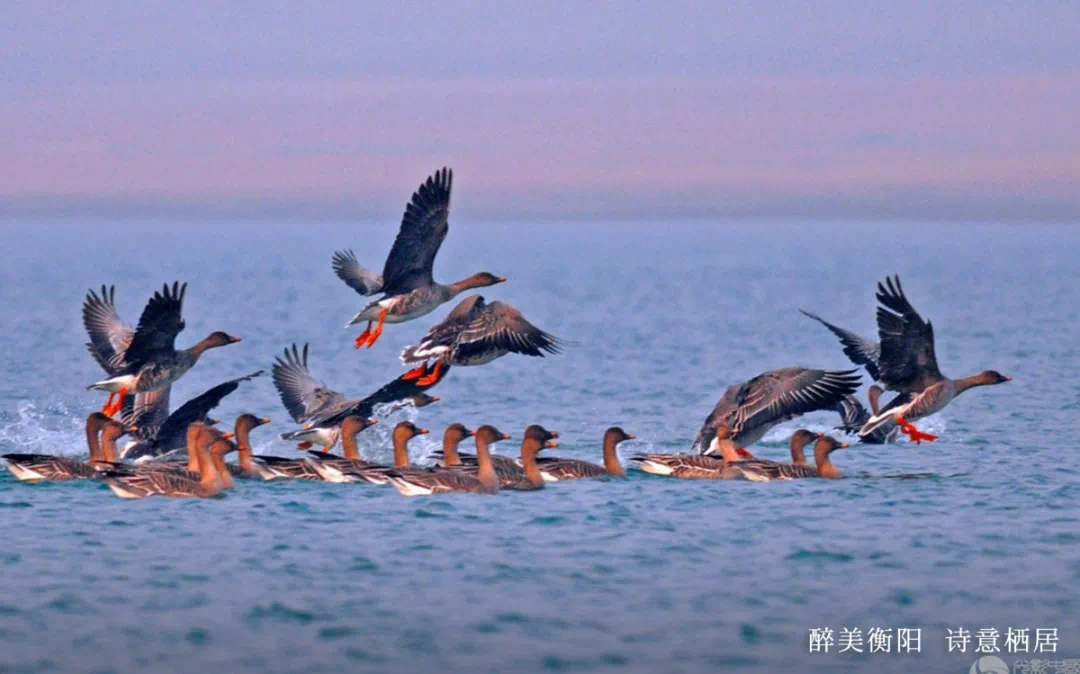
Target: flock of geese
(182, 453)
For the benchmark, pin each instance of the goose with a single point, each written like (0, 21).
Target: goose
(47, 467)
(475, 333)
(374, 473)
(909, 366)
(322, 409)
(407, 283)
(332, 468)
(160, 432)
(427, 482)
(557, 469)
(753, 407)
(213, 477)
(144, 360)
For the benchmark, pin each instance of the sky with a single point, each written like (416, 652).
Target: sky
(960, 110)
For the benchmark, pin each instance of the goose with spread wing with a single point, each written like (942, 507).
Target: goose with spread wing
(321, 409)
(752, 407)
(909, 366)
(407, 283)
(475, 333)
(144, 360)
(160, 432)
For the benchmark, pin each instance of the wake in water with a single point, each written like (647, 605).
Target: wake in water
(54, 430)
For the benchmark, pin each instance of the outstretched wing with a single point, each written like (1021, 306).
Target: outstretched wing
(359, 278)
(423, 229)
(160, 323)
(300, 393)
(109, 335)
(199, 407)
(779, 395)
(501, 328)
(859, 349)
(908, 362)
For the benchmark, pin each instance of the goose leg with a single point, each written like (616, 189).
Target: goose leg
(416, 372)
(362, 338)
(109, 402)
(378, 330)
(430, 379)
(916, 436)
(113, 409)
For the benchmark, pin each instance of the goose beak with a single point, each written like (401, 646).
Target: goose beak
(551, 444)
(435, 399)
(422, 431)
(821, 435)
(554, 434)
(843, 445)
(500, 279)
(372, 422)
(234, 340)
(264, 420)
(506, 436)
(631, 436)
(1008, 378)
(470, 434)
(132, 429)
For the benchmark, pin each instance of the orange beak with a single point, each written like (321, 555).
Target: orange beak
(630, 436)
(234, 340)
(551, 444)
(501, 279)
(843, 445)
(470, 434)
(422, 431)
(821, 435)
(264, 420)
(435, 399)
(506, 436)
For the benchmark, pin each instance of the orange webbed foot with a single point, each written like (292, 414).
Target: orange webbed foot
(362, 338)
(415, 373)
(914, 434)
(432, 378)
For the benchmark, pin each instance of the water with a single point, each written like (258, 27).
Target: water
(644, 574)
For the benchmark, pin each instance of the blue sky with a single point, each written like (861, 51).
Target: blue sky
(960, 110)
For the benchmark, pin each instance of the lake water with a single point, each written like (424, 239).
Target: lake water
(641, 575)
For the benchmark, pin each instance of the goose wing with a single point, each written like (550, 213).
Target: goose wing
(109, 335)
(908, 361)
(861, 350)
(160, 323)
(359, 278)
(423, 228)
(499, 327)
(783, 394)
(300, 393)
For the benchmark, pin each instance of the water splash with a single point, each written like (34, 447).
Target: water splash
(53, 430)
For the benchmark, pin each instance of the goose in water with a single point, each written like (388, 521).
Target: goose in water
(425, 482)
(449, 456)
(145, 360)
(321, 409)
(407, 283)
(245, 467)
(213, 477)
(198, 434)
(475, 333)
(376, 473)
(752, 407)
(522, 474)
(823, 448)
(556, 469)
(160, 432)
(48, 467)
(731, 466)
(332, 468)
(909, 366)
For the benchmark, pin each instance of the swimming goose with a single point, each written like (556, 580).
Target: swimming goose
(555, 469)
(213, 478)
(42, 467)
(160, 432)
(731, 466)
(823, 448)
(475, 333)
(512, 473)
(450, 457)
(777, 470)
(321, 409)
(376, 473)
(408, 287)
(148, 360)
(245, 465)
(752, 407)
(909, 366)
(198, 434)
(331, 467)
(425, 482)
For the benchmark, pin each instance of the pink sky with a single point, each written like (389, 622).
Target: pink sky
(921, 140)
